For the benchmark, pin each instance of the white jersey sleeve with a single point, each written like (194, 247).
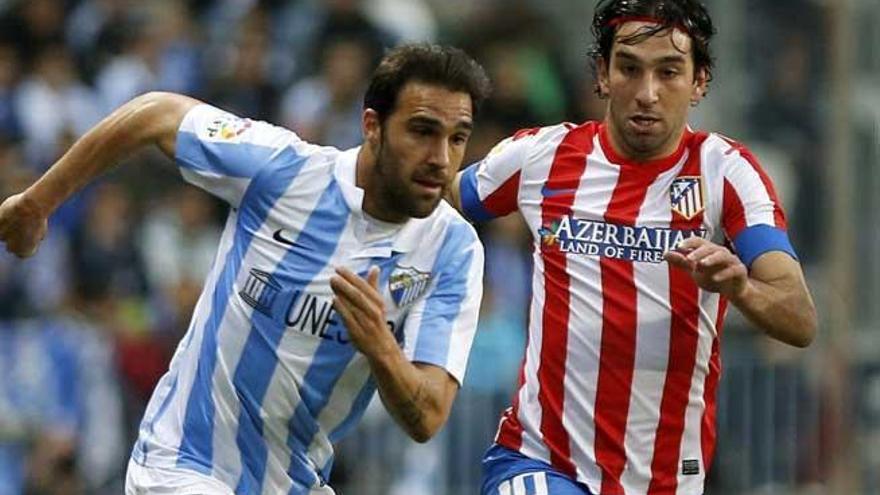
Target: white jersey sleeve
(440, 327)
(221, 153)
(752, 218)
(490, 188)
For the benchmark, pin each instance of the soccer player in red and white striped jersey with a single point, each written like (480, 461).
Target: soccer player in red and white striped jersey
(644, 231)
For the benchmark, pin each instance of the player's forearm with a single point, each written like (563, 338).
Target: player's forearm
(411, 395)
(782, 308)
(152, 118)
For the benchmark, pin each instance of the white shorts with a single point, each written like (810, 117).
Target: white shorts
(140, 480)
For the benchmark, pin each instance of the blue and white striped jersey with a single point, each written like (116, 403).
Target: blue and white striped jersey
(266, 378)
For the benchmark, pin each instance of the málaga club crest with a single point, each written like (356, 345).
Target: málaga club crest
(407, 284)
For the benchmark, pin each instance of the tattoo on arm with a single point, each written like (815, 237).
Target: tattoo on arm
(410, 411)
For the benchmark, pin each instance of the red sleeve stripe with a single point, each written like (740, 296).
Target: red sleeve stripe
(503, 200)
(778, 213)
(734, 218)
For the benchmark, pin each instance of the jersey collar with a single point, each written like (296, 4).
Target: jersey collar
(382, 238)
(345, 173)
(657, 165)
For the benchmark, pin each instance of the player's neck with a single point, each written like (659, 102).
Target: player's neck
(367, 179)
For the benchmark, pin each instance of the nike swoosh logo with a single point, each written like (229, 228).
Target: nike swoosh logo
(548, 192)
(283, 240)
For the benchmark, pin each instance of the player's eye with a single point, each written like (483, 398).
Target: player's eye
(629, 70)
(460, 139)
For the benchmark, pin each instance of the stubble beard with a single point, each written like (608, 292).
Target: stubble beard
(639, 146)
(395, 191)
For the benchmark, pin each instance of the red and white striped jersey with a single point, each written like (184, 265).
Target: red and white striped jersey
(617, 386)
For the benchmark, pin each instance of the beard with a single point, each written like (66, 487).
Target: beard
(396, 192)
(641, 145)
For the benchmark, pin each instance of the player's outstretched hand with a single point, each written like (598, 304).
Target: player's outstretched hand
(22, 225)
(713, 267)
(361, 307)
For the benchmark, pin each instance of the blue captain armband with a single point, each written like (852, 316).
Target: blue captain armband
(756, 240)
(471, 205)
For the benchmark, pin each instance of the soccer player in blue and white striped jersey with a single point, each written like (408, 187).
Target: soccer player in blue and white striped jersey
(339, 273)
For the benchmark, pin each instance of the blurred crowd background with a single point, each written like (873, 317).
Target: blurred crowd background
(88, 325)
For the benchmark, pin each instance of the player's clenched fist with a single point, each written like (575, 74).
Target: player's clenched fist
(712, 266)
(22, 225)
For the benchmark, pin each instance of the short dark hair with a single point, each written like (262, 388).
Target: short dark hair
(690, 16)
(427, 63)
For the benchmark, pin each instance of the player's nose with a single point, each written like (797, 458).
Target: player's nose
(440, 156)
(648, 91)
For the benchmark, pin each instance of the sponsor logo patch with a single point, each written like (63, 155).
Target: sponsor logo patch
(260, 290)
(611, 240)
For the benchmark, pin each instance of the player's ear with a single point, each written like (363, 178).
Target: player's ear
(372, 128)
(602, 77)
(701, 84)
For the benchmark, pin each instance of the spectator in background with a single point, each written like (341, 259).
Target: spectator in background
(326, 108)
(243, 84)
(96, 31)
(60, 409)
(346, 19)
(54, 105)
(158, 54)
(112, 290)
(523, 61)
(33, 26)
(778, 110)
(179, 238)
(509, 105)
(301, 30)
(105, 258)
(404, 20)
(10, 122)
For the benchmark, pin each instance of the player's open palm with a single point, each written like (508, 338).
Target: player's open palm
(22, 225)
(713, 267)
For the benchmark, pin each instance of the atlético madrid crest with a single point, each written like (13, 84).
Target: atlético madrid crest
(407, 284)
(686, 196)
